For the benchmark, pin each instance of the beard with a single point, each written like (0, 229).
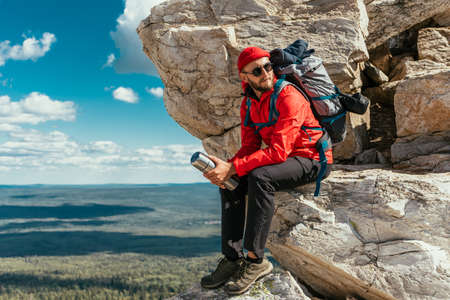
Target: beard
(261, 87)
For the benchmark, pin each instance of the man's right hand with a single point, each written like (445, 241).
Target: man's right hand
(222, 172)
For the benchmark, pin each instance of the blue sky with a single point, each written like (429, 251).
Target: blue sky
(79, 101)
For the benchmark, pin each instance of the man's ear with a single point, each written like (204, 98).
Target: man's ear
(243, 77)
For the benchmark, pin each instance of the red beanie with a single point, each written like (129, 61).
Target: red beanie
(250, 54)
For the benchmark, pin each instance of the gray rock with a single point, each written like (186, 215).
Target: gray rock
(422, 100)
(224, 146)
(389, 18)
(422, 152)
(370, 156)
(376, 234)
(272, 287)
(374, 73)
(433, 44)
(357, 137)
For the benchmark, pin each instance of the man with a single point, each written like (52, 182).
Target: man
(290, 159)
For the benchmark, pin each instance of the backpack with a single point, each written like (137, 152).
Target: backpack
(295, 65)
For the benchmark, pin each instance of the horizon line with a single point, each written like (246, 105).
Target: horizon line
(100, 184)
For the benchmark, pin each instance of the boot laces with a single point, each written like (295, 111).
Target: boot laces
(242, 270)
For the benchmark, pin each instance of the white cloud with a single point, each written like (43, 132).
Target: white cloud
(9, 127)
(102, 147)
(31, 48)
(132, 59)
(32, 148)
(35, 108)
(125, 94)
(169, 155)
(110, 60)
(157, 92)
(29, 151)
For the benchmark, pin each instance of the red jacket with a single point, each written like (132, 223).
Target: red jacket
(283, 139)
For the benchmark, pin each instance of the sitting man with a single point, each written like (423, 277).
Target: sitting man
(289, 160)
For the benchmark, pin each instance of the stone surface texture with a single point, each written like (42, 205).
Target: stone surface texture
(375, 74)
(390, 17)
(422, 101)
(422, 152)
(383, 94)
(376, 234)
(381, 58)
(356, 139)
(443, 19)
(280, 286)
(195, 44)
(433, 44)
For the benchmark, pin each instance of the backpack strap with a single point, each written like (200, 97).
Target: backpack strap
(273, 113)
(322, 145)
(247, 114)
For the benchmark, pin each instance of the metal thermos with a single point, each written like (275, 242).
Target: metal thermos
(203, 163)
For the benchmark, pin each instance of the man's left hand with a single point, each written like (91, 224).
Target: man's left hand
(221, 172)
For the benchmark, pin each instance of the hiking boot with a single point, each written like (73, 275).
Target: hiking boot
(225, 269)
(247, 275)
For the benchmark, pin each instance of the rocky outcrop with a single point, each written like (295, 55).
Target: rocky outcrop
(388, 18)
(418, 91)
(195, 44)
(279, 286)
(375, 234)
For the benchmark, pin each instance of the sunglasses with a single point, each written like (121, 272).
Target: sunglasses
(258, 70)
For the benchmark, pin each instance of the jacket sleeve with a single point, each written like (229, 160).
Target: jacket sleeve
(292, 108)
(250, 141)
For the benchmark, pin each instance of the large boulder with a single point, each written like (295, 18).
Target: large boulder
(422, 100)
(375, 234)
(194, 45)
(389, 18)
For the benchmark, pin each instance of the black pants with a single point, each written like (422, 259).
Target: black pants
(260, 185)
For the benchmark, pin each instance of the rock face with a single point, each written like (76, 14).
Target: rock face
(388, 17)
(195, 44)
(376, 234)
